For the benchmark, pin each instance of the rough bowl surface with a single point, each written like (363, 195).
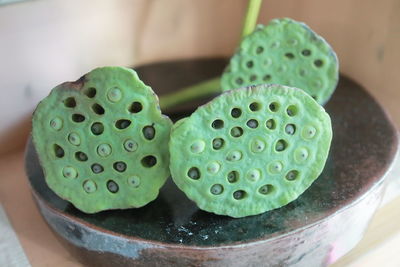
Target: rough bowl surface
(315, 230)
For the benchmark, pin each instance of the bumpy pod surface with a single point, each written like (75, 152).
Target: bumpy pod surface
(101, 141)
(250, 150)
(284, 52)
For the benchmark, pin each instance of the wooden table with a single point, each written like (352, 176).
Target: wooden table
(42, 248)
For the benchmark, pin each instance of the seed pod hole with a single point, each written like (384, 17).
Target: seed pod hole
(136, 107)
(255, 106)
(218, 143)
(104, 150)
(267, 77)
(97, 128)
(266, 189)
(259, 50)
(149, 132)
(114, 94)
(74, 139)
(99, 110)
(249, 64)
(253, 78)
(194, 173)
(78, 118)
(89, 186)
(306, 52)
(122, 124)
(149, 161)
(130, 145)
(274, 106)
(119, 166)
(69, 172)
(252, 123)
(81, 156)
(236, 112)
(318, 63)
(281, 145)
(90, 92)
(239, 81)
(70, 102)
(292, 175)
(56, 123)
(292, 110)
(134, 181)
(216, 189)
(290, 129)
(217, 124)
(239, 194)
(234, 155)
(236, 132)
(112, 186)
(58, 151)
(233, 177)
(289, 55)
(97, 168)
(197, 146)
(270, 124)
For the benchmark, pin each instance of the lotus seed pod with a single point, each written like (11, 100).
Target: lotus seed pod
(284, 52)
(263, 167)
(102, 141)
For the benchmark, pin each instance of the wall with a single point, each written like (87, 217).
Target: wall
(45, 42)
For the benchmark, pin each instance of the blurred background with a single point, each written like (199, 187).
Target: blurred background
(46, 42)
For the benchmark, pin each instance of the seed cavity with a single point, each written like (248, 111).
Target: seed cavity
(318, 63)
(114, 95)
(218, 143)
(257, 145)
(78, 118)
(58, 151)
(119, 166)
(252, 123)
(74, 139)
(270, 124)
(255, 106)
(250, 64)
(239, 194)
(149, 161)
(236, 112)
(274, 106)
(56, 124)
(194, 173)
(289, 55)
(266, 189)
(217, 124)
(134, 181)
(97, 168)
(70, 102)
(253, 78)
(130, 145)
(122, 124)
(292, 110)
(90, 92)
(234, 156)
(306, 52)
(198, 146)
(97, 128)
(136, 107)
(216, 189)
(301, 154)
(281, 145)
(239, 81)
(89, 186)
(267, 77)
(213, 167)
(236, 131)
(259, 50)
(308, 132)
(70, 172)
(275, 167)
(99, 110)
(253, 175)
(290, 129)
(292, 175)
(233, 177)
(81, 156)
(104, 150)
(112, 186)
(149, 132)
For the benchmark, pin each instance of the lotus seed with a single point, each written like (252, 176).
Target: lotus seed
(275, 167)
(81, 156)
(240, 194)
(253, 175)
(89, 186)
(252, 123)
(213, 167)
(292, 175)
(130, 145)
(104, 150)
(97, 168)
(236, 132)
(194, 173)
(149, 132)
(308, 132)
(119, 166)
(280, 145)
(218, 143)
(97, 128)
(290, 129)
(257, 146)
(270, 124)
(114, 95)
(198, 146)
(134, 181)
(233, 176)
(301, 154)
(70, 172)
(217, 189)
(236, 112)
(56, 124)
(112, 186)
(265, 189)
(74, 139)
(234, 156)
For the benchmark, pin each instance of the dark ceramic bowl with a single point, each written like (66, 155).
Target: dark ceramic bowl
(315, 230)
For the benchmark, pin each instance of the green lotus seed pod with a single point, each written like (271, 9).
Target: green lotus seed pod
(262, 168)
(284, 52)
(95, 137)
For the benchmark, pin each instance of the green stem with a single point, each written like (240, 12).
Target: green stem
(211, 87)
(250, 20)
(200, 90)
